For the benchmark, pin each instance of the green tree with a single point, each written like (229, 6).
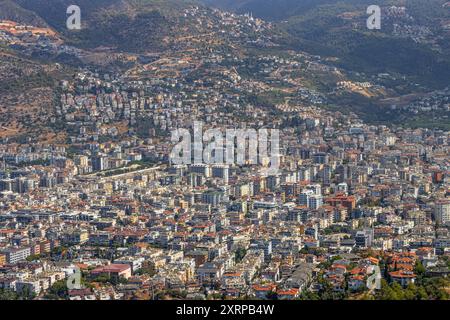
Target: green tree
(240, 254)
(6, 294)
(58, 290)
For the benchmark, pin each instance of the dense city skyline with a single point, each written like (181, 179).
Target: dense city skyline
(214, 151)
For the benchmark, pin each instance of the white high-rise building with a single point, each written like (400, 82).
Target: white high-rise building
(315, 202)
(303, 198)
(442, 211)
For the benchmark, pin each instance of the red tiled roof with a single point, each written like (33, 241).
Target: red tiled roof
(111, 268)
(290, 292)
(402, 274)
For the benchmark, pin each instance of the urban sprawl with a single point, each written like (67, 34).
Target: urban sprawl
(108, 204)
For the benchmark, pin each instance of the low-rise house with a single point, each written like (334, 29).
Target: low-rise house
(287, 294)
(113, 270)
(403, 277)
(263, 291)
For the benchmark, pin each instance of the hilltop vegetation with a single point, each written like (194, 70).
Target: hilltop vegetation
(9, 10)
(131, 25)
(337, 29)
(268, 9)
(329, 28)
(119, 33)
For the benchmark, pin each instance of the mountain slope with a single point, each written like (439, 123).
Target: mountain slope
(414, 43)
(268, 9)
(27, 92)
(129, 25)
(10, 10)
